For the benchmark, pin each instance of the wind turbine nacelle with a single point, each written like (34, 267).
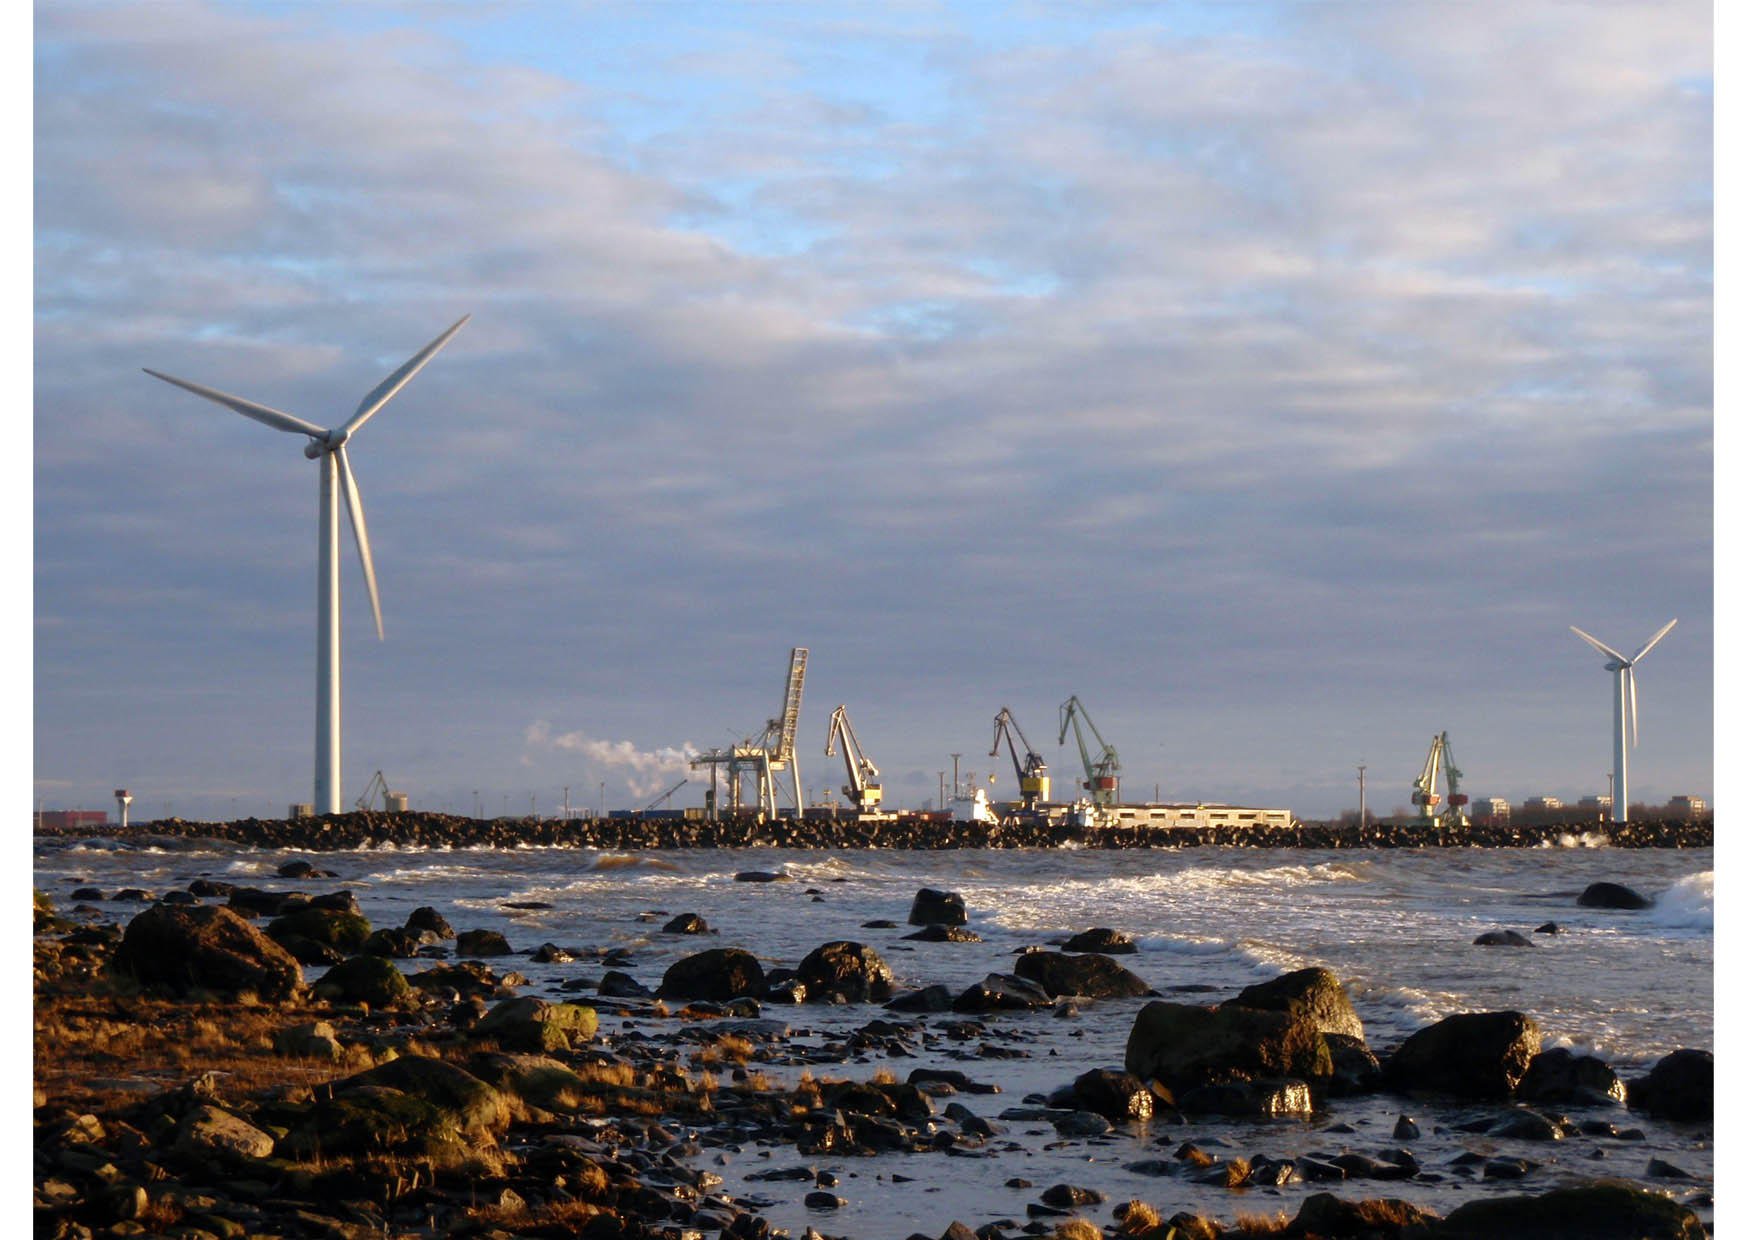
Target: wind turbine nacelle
(314, 448)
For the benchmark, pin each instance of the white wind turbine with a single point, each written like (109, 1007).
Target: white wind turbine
(329, 448)
(1625, 705)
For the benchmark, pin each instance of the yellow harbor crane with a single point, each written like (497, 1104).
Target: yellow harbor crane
(863, 788)
(1030, 772)
(1426, 799)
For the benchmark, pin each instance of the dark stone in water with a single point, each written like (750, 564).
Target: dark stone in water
(1090, 974)
(1612, 895)
(761, 876)
(1471, 1055)
(720, 973)
(938, 933)
(930, 906)
(428, 918)
(1501, 938)
(1604, 1210)
(482, 943)
(686, 923)
(1680, 1087)
(527, 905)
(1549, 927)
(845, 972)
(1101, 939)
(1561, 1076)
(880, 923)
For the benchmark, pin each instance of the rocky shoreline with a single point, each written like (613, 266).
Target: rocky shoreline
(368, 829)
(193, 1080)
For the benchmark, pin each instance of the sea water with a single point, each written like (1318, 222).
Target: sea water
(1396, 925)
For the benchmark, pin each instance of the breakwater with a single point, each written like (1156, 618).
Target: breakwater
(427, 830)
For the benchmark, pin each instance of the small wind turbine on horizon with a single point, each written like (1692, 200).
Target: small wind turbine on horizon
(1625, 705)
(328, 446)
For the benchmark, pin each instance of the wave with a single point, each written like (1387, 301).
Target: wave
(1585, 839)
(1687, 905)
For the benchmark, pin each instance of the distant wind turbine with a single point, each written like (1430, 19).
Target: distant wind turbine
(1625, 705)
(329, 447)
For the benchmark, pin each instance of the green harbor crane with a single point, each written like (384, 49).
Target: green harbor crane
(1102, 771)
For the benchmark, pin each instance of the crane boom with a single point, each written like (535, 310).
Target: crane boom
(1454, 815)
(864, 787)
(1102, 772)
(665, 796)
(378, 787)
(1030, 773)
(1423, 796)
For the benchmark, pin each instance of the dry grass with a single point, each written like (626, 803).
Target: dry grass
(1261, 1224)
(730, 1048)
(562, 1216)
(1136, 1217)
(1076, 1229)
(1238, 1172)
(884, 1076)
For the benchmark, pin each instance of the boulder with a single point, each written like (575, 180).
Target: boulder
(1103, 940)
(1183, 1045)
(468, 978)
(254, 902)
(721, 973)
(1612, 895)
(845, 972)
(1605, 1210)
(618, 985)
(1354, 1068)
(428, 918)
(531, 1024)
(1313, 994)
(937, 998)
(214, 1135)
(394, 942)
(311, 1040)
(1324, 1214)
(481, 943)
(936, 932)
(686, 923)
(1481, 1055)
(308, 951)
(329, 927)
(1500, 938)
(1092, 975)
(1680, 1087)
(1263, 1098)
(932, 907)
(179, 949)
(1002, 992)
(371, 980)
(1118, 1096)
(460, 1097)
(1559, 1075)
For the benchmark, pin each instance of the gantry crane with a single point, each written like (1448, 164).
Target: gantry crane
(864, 789)
(1453, 815)
(1029, 773)
(664, 797)
(1422, 794)
(774, 750)
(1102, 771)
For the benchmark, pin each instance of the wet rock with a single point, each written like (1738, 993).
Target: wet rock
(1601, 1211)
(950, 1076)
(1314, 995)
(1680, 1087)
(205, 948)
(1501, 938)
(1002, 992)
(931, 907)
(1406, 1129)
(460, 1097)
(551, 953)
(1081, 1124)
(1070, 1196)
(429, 919)
(132, 895)
(531, 1024)
(686, 923)
(209, 887)
(1548, 927)
(1324, 1214)
(1472, 1055)
(618, 985)
(1264, 1098)
(761, 876)
(1184, 1045)
(311, 1040)
(1361, 1167)
(1274, 1172)
(1504, 1168)
(1559, 1075)
(1118, 1096)
(370, 980)
(720, 973)
(1103, 940)
(845, 972)
(936, 998)
(207, 1132)
(468, 978)
(880, 923)
(823, 1201)
(938, 933)
(482, 943)
(1354, 1069)
(394, 943)
(303, 869)
(1612, 895)
(1091, 974)
(1525, 1125)
(308, 951)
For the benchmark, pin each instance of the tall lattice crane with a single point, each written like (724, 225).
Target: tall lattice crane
(773, 750)
(1102, 771)
(864, 787)
(1422, 794)
(1453, 815)
(1030, 773)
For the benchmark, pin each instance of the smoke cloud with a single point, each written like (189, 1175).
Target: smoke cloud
(645, 771)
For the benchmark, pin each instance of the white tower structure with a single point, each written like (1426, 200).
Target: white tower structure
(123, 799)
(1626, 712)
(327, 447)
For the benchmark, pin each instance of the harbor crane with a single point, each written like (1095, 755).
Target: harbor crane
(864, 789)
(664, 797)
(378, 790)
(1029, 773)
(774, 750)
(1102, 772)
(1425, 798)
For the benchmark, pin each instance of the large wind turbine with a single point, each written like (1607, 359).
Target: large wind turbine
(328, 447)
(1625, 705)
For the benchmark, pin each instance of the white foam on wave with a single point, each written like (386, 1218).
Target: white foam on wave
(1585, 839)
(1687, 905)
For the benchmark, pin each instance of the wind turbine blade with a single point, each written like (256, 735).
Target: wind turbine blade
(1634, 713)
(1652, 641)
(1597, 645)
(356, 511)
(380, 395)
(248, 408)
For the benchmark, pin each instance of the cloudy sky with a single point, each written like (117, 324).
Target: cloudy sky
(1282, 380)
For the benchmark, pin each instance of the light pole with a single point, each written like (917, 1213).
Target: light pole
(568, 801)
(956, 758)
(1361, 777)
(941, 789)
(602, 799)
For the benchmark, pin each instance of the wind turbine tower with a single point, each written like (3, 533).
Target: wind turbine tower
(327, 447)
(1624, 668)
